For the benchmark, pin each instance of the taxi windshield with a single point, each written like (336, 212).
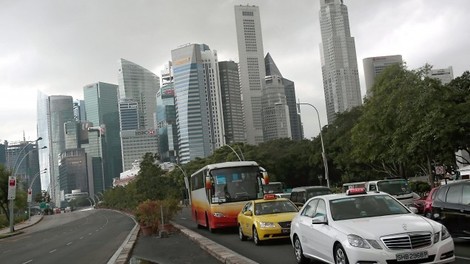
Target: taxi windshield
(394, 187)
(365, 206)
(274, 207)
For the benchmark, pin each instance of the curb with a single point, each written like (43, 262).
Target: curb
(223, 254)
(122, 255)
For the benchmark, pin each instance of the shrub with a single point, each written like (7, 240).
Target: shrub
(149, 212)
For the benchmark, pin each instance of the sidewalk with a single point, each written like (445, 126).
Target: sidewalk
(5, 232)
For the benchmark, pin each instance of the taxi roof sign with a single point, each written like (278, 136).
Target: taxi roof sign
(354, 191)
(270, 196)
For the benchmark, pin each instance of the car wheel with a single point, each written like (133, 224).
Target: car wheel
(240, 233)
(299, 254)
(256, 237)
(340, 255)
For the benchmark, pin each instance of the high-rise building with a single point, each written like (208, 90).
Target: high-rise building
(128, 114)
(289, 93)
(141, 85)
(53, 112)
(198, 101)
(138, 89)
(101, 101)
(234, 123)
(338, 60)
(73, 170)
(251, 69)
(166, 118)
(373, 66)
(276, 120)
(445, 75)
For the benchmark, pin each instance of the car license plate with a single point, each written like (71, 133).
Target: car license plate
(412, 256)
(285, 230)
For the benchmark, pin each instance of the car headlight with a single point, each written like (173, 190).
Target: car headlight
(267, 224)
(218, 215)
(357, 241)
(444, 233)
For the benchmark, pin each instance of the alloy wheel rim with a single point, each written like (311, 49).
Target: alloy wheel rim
(298, 250)
(340, 259)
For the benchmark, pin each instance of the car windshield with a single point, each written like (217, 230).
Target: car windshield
(365, 206)
(394, 187)
(265, 208)
(313, 193)
(273, 188)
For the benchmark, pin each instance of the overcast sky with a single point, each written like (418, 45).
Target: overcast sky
(59, 46)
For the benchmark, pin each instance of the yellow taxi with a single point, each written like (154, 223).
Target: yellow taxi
(267, 218)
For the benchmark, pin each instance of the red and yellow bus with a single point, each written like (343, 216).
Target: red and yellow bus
(219, 191)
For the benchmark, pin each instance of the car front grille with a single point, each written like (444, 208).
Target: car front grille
(407, 241)
(284, 224)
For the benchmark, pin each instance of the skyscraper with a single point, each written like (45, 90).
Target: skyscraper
(373, 66)
(276, 119)
(137, 88)
(445, 75)
(198, 101)
(166, 118)
(338, 59)
(141, 85)
(252, 69)
(101, 100)
(53, 112)
(234, 123)
(290, 97)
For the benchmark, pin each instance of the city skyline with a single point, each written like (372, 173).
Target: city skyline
(60, 48)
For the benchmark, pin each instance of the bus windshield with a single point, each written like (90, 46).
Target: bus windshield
(235, 184)
(273, 187)
(394, 187)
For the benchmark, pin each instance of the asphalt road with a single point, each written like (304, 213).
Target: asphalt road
(91, 236)
(279, 251)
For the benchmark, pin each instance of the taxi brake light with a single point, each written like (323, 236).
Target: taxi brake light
(269, 196)
(354, 191)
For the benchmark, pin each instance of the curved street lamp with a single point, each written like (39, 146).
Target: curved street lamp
(29, 189)
(227, 145)
(323, 154)
(19, 153)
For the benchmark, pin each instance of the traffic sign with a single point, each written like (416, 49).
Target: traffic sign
(11, 188)
(30, 195)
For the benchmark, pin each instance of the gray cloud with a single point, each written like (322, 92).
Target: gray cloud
(60, 46)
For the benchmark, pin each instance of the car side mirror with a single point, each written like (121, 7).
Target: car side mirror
(320, 219)
(413, 209)
(248, 213)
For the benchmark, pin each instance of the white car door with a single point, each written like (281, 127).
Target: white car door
(305, 221)
(322, 234)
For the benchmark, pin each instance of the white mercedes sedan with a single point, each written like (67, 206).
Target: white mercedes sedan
(360, 227)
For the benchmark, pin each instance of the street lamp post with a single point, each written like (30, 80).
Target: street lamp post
(186, 182)
(30, 187)
(19, 153)
(12, 201)
(323, 154)
(234, 152)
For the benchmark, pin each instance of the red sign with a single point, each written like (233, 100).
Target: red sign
(12, 182)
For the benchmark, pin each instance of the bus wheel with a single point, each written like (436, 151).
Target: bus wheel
(209, 225)
(199, 226)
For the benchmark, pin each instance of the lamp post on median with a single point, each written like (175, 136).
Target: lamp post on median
(323, 154)
(186, 182)
(227, 145)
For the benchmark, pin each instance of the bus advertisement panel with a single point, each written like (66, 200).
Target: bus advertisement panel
(219, 191)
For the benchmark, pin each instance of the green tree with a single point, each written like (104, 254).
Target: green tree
(4, 202)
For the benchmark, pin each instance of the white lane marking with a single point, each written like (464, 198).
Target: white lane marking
(89, 234)
(97, 230)
(52, 251)
(70, 243)
(462, 258)
(81, 237)
(29, 261)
